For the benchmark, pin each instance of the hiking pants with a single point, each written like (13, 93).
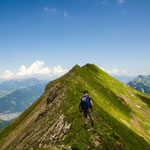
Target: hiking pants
(86, 113)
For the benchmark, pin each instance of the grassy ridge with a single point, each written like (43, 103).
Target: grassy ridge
(115, 134)
(114, 115)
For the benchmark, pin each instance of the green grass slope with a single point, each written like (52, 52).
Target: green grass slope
(121, 116)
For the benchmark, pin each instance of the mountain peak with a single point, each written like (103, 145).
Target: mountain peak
(76, 67)
(141, 76)
(86, 66)
(89, 65)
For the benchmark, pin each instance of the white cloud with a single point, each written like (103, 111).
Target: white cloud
(115, 71)
(55, 11)
(46, 9)
(58, 70)
(7, 74)
(112, 71)
(50, 10)
(37, 69)
(65, 14)
(121, 1)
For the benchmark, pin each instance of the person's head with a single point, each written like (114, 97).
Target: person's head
(86, 92)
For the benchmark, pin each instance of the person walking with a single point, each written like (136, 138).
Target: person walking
(86, 106)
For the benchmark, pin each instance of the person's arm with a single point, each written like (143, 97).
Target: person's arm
(92, 106)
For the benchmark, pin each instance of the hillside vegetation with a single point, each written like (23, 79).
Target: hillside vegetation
(121, 116)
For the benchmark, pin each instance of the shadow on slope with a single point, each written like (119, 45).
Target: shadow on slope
(144, 99)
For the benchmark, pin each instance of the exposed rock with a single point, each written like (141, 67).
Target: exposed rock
(57, 132)
(95, 140)
(54, 92)
(40, 115)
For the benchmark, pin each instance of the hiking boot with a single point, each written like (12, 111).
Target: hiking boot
(85, 126)
(92, 124)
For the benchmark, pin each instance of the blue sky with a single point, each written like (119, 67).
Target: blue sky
(113, 34)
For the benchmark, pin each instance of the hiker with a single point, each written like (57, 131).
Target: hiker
(86, 106)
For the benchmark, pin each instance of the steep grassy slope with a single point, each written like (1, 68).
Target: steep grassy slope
(121, 116)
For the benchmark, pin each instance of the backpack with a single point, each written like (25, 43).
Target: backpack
(85, 103)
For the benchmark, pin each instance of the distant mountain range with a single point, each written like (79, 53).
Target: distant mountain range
(124, 79)
(15, 84)
(20, 99)
(8, 87)
(141, 83)
(17, 95)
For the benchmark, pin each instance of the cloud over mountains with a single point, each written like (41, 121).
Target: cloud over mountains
(37, 69)
(115, 71)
